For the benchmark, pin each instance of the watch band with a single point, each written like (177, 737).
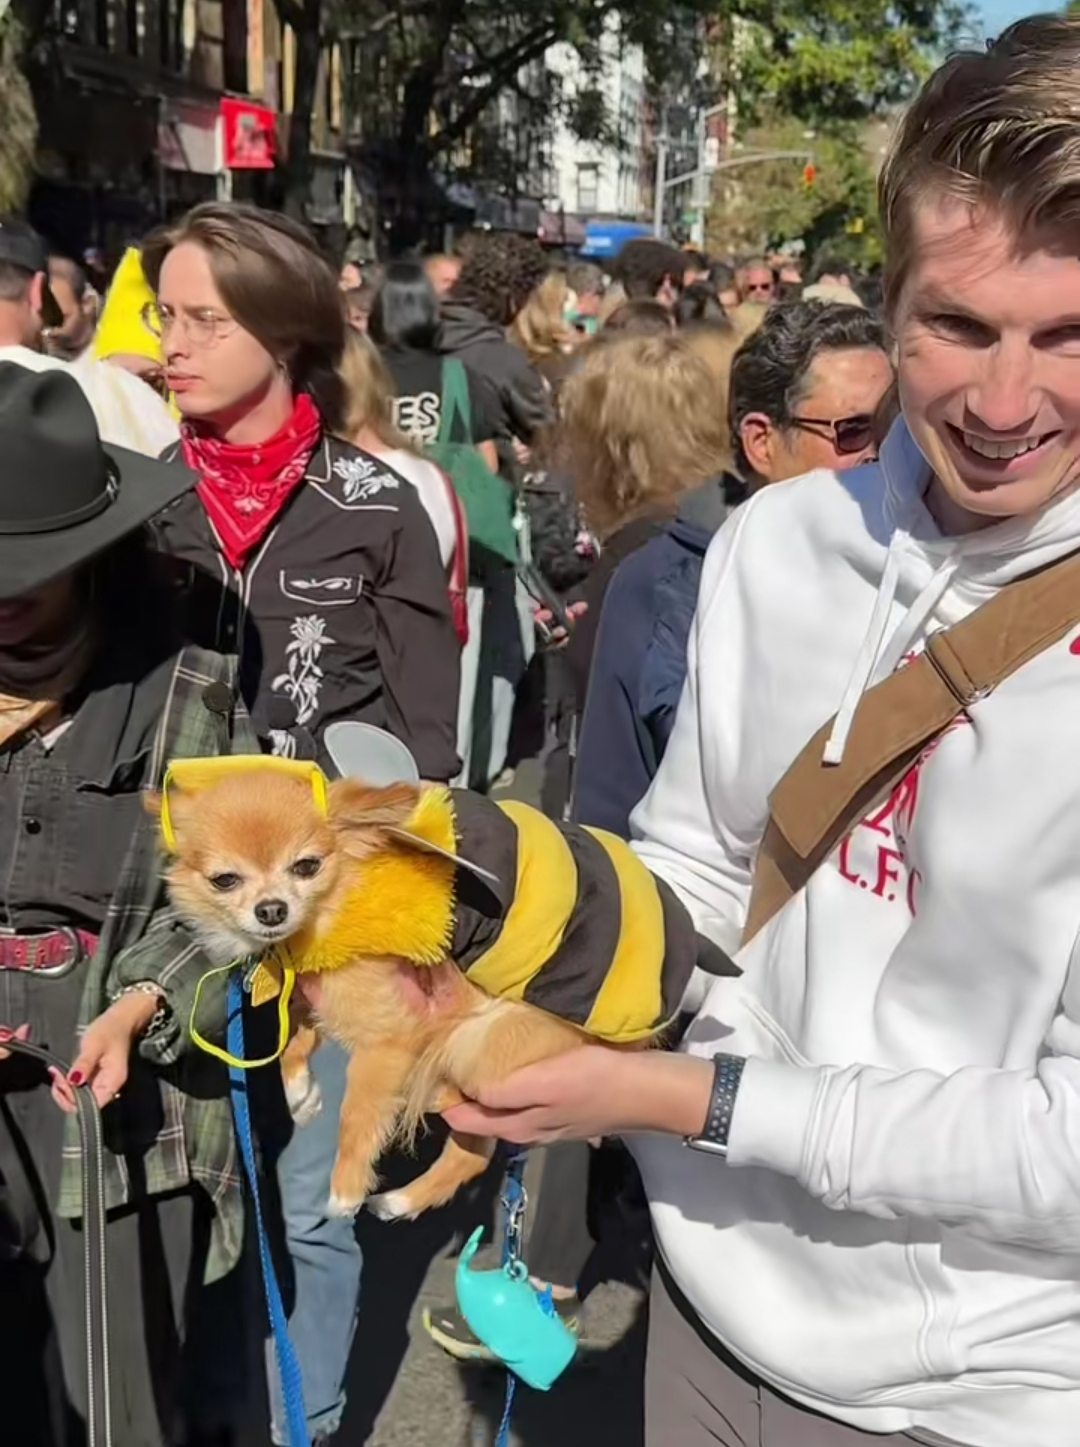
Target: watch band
(714, 1135)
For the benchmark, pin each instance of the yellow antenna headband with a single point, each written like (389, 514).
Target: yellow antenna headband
(192, 776)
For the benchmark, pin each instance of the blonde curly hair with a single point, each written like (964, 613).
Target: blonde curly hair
(642, 424)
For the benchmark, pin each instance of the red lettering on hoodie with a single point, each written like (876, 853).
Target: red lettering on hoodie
(873, 857)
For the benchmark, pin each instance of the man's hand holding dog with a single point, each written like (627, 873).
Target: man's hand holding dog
(594, 1091)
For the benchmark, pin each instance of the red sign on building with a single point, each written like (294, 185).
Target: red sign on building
(250, 136)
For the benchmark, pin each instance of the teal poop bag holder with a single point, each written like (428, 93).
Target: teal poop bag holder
(504, 1310)
(517, 1322)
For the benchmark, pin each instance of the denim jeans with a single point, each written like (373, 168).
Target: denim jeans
(325, 1259)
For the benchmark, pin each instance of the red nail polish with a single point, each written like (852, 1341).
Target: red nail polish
(76, 1077)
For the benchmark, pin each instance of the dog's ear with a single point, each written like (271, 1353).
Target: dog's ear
(154, 803)
(359, 814)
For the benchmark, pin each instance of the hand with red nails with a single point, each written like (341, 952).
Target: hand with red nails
(558, 636)
(105, 1051)
(6, 1033)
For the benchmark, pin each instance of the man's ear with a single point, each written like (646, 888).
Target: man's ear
(757, 435)
(359, 814)
(37, 293)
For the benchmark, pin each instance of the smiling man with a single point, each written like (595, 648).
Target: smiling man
(864, 1169)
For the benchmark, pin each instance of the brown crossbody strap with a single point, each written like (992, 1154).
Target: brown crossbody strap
(815, 804)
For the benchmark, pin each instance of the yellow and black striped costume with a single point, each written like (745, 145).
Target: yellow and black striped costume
(576, 924)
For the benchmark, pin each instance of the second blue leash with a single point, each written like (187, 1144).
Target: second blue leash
(514, 1203)
(292, 1386)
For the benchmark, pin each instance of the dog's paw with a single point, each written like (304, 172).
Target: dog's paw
(390, 1206)
(342, 1208)
(303, 1097)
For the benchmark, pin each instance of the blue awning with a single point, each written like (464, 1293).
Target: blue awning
(605, 239)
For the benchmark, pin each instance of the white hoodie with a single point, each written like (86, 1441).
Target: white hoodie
(895, 1238)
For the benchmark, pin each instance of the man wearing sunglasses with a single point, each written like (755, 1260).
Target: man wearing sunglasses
(804, 391)
(757, 281)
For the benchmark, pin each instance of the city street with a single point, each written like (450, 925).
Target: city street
(405, 1392)
(413, 1395)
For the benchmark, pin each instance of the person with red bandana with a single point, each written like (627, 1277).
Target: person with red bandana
(319, 563)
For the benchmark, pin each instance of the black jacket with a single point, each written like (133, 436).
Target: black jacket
(341, 613)
(639, 662)
(524, 401)
(418, 381)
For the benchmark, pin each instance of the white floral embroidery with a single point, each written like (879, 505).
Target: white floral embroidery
(362, 478)
(303, 679)
(282, 744)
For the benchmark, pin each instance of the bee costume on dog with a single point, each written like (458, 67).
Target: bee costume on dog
(562, 917)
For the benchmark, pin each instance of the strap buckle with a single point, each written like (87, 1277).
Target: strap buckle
(946, 663)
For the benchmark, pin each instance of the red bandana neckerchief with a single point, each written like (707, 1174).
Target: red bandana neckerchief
(244, 489)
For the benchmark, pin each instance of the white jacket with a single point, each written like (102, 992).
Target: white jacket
(128, 412)
(895, 1239)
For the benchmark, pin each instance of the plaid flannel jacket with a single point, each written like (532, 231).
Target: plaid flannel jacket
(162, 1139)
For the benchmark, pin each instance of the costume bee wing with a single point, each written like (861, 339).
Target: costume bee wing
(362, 751)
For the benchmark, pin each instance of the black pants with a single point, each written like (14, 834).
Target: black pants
(177, 1367)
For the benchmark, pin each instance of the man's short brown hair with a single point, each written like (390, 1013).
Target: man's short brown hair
(998, 127)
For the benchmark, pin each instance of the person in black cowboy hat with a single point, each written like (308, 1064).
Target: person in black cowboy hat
(97, 690)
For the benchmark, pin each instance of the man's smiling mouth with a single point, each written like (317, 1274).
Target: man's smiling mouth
(1000, 449)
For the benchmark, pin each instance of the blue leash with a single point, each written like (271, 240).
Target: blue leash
(292, 1385)
(513, 1204)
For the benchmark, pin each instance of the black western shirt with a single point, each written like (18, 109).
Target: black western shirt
(341, 612)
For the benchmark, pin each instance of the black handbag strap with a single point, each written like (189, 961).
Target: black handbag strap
(99, 1415)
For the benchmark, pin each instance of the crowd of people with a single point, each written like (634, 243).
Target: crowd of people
(774, 574)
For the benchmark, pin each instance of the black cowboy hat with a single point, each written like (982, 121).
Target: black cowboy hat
(64, 495)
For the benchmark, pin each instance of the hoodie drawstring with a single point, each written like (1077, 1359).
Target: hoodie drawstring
(866, 656)
(872, 655)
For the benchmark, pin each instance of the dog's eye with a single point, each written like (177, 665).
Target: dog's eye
(306, 868)
(224, 882)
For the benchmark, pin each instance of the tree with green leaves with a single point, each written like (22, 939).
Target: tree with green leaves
(822, 193)
(809, 78)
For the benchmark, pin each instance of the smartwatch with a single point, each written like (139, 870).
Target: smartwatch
(714, 1135)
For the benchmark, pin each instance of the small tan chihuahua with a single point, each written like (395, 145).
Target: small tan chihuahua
(259, 871)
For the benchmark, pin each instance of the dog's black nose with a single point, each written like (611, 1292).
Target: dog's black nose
(271, 912)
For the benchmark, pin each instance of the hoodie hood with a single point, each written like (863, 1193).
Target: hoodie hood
(463, 326)
(946, 577)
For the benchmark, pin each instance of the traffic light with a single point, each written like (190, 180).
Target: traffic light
(809, 175)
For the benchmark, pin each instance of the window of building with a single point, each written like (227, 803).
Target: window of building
(588, 185)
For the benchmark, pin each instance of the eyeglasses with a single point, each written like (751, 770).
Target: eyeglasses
(849, 434)
(202, 328)
(765, 288)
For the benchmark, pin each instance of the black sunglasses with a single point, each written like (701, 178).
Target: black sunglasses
(849, 434)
